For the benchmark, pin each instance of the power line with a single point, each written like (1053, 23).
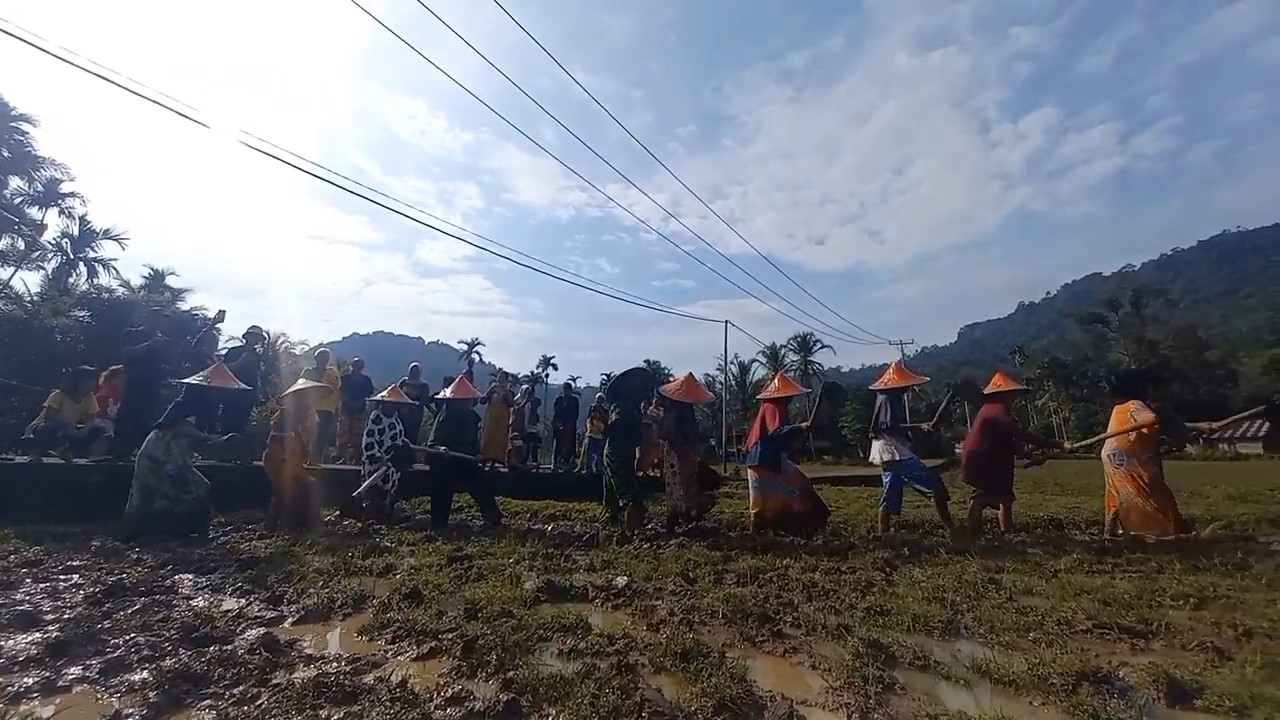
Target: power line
(192, 119)
(841, 335)
(669, 171)
(753, 338)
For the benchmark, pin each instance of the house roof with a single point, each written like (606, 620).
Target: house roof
(1254, 429)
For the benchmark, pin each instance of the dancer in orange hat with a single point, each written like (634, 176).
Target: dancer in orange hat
(679, 433)
(781, 495)
(169, 497)
(384, 444)
(986, 463)
(892, 450)
(457, 428)
(295, 495)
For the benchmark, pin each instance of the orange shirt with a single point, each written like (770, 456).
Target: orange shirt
(1134, 472)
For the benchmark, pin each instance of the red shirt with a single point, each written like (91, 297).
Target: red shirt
(986, 462)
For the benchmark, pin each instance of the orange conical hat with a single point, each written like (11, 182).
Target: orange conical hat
(304, 384)
(1001, 382)
(897, 376)
(781, 386)
(393, 394)
(687, 389)
(461, 389)
(216, 375)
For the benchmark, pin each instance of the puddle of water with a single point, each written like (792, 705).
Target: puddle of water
(809, 712)
(423, 673)
(782, 676)
(375, 586)
(598, 617)
(334, 638)
(78, 705)
(952, 652)
(981, 698)
(548, 657)
(672, 687)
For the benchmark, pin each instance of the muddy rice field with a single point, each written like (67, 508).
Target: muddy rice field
(548, 618)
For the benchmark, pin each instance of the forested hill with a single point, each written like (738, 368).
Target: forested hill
(1226, 286)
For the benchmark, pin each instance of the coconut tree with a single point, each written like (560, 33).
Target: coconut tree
(154, 286)
(573, 380)
(76, 253)
(773, 358)
(661, 371)
(469, 353)
(605, 379)
(802, 352)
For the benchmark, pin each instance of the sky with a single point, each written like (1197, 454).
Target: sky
(916, 164)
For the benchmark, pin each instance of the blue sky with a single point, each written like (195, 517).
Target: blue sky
(918, 165)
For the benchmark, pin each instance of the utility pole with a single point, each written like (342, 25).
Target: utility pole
(902, 346)
(724, 404)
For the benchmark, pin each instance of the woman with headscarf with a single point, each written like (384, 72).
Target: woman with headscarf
(384, 446)
(564, 427)
(891, 449)
(623, 499)
(169, 497)
(419, 393)
(593, 443)
(295, 495)
(649, 457)
(781, 495)
(457, 430)
(1138, 501)
(525, 426)
(496, 432)
(679, 434)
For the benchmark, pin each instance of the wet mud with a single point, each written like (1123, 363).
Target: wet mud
(93, 629)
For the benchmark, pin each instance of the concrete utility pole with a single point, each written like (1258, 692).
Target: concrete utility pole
(902, 346)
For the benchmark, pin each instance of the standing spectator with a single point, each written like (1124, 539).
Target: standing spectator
(355, 388)
(326, 407)
(245, 362)
(564, 427)
(419, 393)
(144, 377)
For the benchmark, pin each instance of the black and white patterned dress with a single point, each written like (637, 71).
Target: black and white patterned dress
(383, 433)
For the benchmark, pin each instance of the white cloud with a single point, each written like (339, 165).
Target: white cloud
(444, 253)
(901, 147)
(606, 266)
(269, 245)
(1230, 24)
(674, 282)
(412, 120)
(537, 181)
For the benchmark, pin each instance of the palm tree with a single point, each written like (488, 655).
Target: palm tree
(573, 380)
(544, 367)
(773, 358)
(76, 252)
(605, 379)
(803, 349)
(469, 353)
(154, 286)
(661, 371)
(743, 384)
(48, 193)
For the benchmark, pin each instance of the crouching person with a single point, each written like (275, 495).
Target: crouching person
(66, 420)
(385, 453)
(169, 497)
(457, 428)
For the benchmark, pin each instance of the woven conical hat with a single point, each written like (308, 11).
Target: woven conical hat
(1001, 382)
(897, 376)
(781, 386)
(687, 389)
(461, 389)
(216, 375)
(392, 394)
(318, 389)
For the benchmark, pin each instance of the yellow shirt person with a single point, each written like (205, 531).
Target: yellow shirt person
(60, 407)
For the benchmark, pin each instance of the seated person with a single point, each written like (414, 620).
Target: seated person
(66, 420)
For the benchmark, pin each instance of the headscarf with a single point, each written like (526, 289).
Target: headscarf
(772, 415)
